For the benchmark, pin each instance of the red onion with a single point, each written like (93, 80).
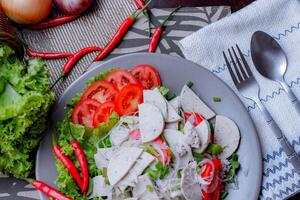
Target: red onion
(73, 7)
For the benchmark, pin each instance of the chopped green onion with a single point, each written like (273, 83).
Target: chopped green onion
(217, 99)
(149, 188)
(214, 149)
(153, 173)
(179, 173)
(106, 181)
(149, 149)
(159, 165)
(181, 126)
(104, 172)
(198, 156)
(190, 84)
(224, 194)
(163, 90)
(105, 143)
(173, 157)
(164, 172)
(170, 97)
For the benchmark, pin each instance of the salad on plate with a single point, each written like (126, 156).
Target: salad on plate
(142, 142)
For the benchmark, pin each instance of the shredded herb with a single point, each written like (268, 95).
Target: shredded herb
(233, 168)
(217, 99)
(190, 84)
(90, 188)
(214, 149)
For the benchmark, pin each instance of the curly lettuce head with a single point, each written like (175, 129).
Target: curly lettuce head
(25, 99)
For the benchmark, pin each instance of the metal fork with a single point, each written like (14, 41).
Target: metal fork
(248, 87)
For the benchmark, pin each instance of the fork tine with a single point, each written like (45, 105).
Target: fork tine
(244, 61)
(241, 69)
(235, 81)
(237, 72)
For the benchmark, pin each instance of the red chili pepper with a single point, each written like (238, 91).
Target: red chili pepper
(83, 165)
(67, 162)
(53, 22)
(48, 55)
(47, 190)
(73, 60)
(122, 30)
(158, 32)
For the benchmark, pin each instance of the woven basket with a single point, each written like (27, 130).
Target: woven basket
(6, 37)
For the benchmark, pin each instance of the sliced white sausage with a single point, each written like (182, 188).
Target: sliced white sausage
(172, 115)
(176, 141)
(100, 188)
(154, 97)
(190, 188)
(175, 103)
(119, 133)
(190, 102)
(121, 162)
(203, 129)
(191, 134)
(151, 122)
(227, 135)
(103, 156)
(141, 191)
(141, 164)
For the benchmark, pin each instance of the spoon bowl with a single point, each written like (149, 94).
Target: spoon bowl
(268, 56)
(271, 62)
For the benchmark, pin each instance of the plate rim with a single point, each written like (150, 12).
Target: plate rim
(94, 67)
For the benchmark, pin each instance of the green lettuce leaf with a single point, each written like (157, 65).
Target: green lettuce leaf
(25, 100)
(88, 138)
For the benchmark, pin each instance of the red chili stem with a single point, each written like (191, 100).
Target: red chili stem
(73, 60)
(170, 16)
(53, 22)
(158, 32)
(48, 190)
(119, 35)
(67, 162)
(48, 55)
(80, 155)
(140, 4)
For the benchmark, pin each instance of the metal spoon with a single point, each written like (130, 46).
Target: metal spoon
(271, 62)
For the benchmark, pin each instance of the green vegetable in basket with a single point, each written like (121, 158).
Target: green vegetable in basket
(25, 99)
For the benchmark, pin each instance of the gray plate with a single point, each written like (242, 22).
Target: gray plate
(175, 72)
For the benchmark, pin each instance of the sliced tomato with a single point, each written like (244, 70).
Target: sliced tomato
(84, 112)
(128, 99)
(120, 78)
(214, 186)
(147, 75)
(197, 118)
(102, 91)
(103, 112)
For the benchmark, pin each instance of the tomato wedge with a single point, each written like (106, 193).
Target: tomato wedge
(128, 99)
(102, 91)
(147, 75)
(197, 118)
(103, 112)
(84, 112)
(120, 78)
(214, 186)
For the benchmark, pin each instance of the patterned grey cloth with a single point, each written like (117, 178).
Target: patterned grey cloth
(96, 28)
